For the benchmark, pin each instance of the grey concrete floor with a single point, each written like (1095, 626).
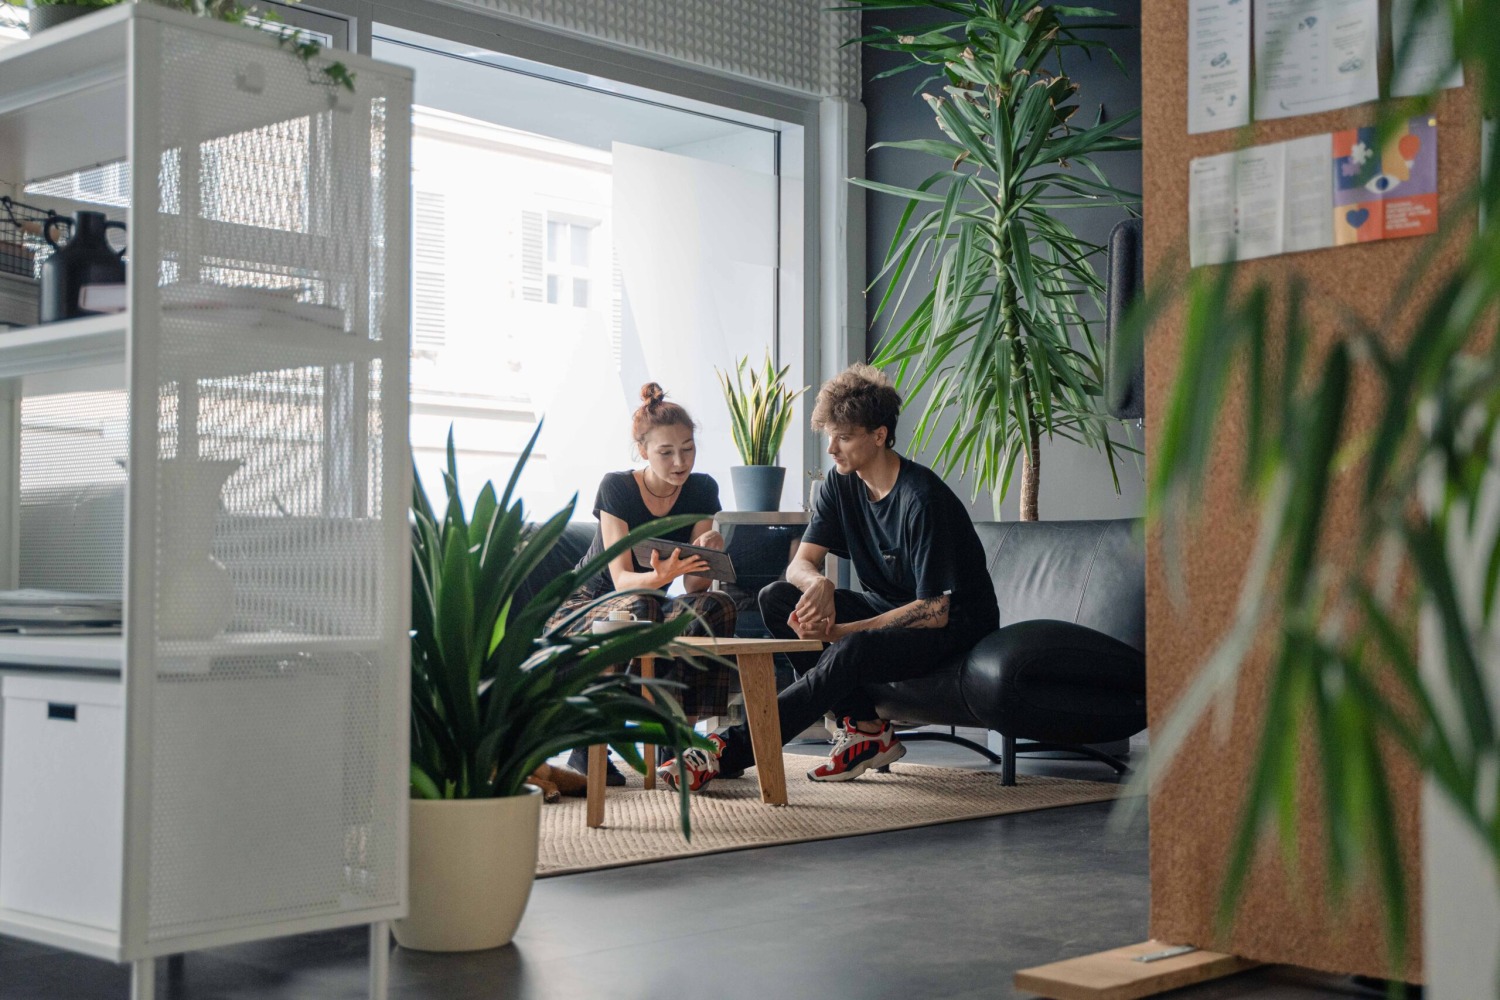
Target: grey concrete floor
(941, 913)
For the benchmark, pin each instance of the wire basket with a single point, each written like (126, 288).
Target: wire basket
(22, 247)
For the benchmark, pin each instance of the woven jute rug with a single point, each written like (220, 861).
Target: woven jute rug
(641, 826)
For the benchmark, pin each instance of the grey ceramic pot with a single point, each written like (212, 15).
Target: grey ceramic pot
(51, 15)
(757, 487)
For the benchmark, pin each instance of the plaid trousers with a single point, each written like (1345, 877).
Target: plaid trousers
(708, 688)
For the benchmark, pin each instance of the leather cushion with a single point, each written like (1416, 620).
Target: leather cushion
(934, 700)
(1089, 572)
(1056, 681)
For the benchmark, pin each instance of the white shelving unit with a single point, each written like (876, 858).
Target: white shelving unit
(233, 766)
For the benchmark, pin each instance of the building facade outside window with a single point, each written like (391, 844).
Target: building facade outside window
(568, 268)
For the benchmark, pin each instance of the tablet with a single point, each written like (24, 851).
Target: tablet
(720, 566)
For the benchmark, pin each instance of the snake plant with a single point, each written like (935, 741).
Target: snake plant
(495, 691)
(759, 413)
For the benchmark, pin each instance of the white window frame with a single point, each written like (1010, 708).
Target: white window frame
(821, 310)
(563, 268)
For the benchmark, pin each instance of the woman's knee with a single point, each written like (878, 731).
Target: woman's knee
(714, 609)
(645, 607)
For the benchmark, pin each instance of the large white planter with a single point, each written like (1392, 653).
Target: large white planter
(472, 865)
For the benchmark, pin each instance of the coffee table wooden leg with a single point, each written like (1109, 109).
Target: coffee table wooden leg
(598, 764)
(648, 672)
(758, 682)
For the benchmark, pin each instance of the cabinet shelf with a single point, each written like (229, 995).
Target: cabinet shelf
(62, 98)
(61, 934)
(107, 652)
(62, 652)
(63, 94)
(76, 343)
(92, 341)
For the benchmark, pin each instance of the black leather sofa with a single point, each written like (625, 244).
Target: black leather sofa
(1067, 667)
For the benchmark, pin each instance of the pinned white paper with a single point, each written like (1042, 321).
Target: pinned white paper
(1314, 55)
(1218, 64)
(1423, 45)
(1308, 223)
(1261, 201)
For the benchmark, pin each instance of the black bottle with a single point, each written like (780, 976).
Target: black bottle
(86, 259)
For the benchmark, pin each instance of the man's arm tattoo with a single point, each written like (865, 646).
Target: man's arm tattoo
(931, 612)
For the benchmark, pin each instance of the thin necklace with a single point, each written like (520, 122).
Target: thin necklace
(659, 496)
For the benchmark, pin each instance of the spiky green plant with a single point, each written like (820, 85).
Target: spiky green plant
(759, 413)
(997, 333)
(494, 691)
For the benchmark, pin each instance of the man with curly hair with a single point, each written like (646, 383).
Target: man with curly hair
(927, 595)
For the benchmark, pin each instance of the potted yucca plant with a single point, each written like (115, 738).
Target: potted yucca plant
(994, 327)
(494, 693)
(759, 414)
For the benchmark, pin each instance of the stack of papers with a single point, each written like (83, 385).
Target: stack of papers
(58, 612)
(245, 306)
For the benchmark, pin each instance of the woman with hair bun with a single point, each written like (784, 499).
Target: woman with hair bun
(667, 486)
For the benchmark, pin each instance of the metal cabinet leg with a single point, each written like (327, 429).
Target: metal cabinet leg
(1008, 760)
(143, 979)
(380, 959)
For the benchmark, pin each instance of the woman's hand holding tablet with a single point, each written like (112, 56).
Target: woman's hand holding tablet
(691, 560)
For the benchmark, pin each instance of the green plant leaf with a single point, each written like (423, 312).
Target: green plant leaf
(422, 786)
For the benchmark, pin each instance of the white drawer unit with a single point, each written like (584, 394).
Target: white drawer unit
(62, 798)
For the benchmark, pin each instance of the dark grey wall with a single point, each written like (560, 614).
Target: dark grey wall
(1075, 481)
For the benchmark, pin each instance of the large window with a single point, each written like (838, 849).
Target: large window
(570, 244)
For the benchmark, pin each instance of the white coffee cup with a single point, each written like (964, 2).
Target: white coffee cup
(616, 621)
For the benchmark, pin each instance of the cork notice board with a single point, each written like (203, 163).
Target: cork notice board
(1195, 809)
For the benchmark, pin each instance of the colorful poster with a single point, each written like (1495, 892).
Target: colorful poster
(1384, 194)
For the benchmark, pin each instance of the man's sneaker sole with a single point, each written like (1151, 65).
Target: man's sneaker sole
(890, 756)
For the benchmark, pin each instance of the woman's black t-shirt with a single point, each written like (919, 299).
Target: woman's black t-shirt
(620, 495)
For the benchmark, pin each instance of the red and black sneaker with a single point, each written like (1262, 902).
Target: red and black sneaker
(855, 752)
(701, 766)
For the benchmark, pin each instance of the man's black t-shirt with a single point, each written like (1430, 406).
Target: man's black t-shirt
(620, 495)
(914, 543)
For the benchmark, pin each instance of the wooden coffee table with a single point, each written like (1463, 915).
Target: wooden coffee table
(756, 661)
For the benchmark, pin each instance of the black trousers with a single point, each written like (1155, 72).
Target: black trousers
(835, 679)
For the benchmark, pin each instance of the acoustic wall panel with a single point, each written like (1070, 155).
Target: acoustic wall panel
(1195, 809)
(793, 44)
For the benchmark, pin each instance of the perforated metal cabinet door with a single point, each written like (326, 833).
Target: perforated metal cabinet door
(277, 718)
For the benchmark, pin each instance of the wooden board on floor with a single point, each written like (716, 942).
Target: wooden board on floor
(1115, 975)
